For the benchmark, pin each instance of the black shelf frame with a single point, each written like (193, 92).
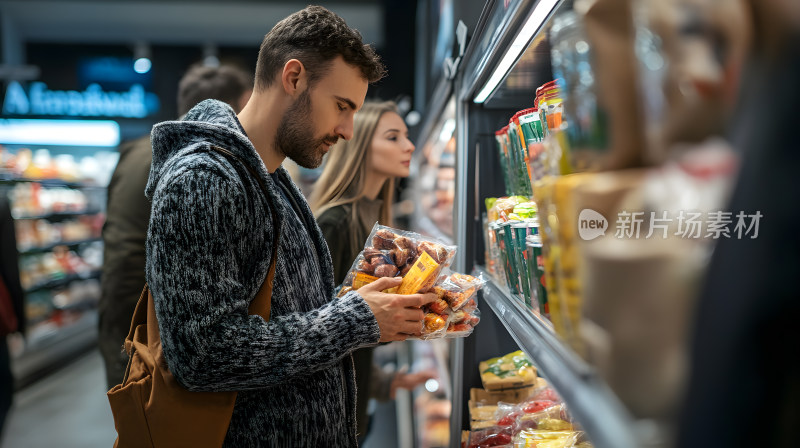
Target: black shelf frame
(64, 281)
(50, 247)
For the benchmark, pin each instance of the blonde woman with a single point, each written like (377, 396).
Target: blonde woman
(355, 190)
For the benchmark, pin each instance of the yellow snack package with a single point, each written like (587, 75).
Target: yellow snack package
(424, 272)
(362, 279)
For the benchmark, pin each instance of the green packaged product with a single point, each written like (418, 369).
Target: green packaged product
(520, 232)
(536, 269)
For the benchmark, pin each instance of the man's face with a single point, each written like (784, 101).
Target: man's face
(320, 116)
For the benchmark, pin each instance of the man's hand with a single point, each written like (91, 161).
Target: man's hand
(399, 316)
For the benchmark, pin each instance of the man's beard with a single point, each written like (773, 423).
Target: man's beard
(295, 137)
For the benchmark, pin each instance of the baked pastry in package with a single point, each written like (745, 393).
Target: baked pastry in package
(457, 289)
(456, 294)
(511, 371)
(390, 252)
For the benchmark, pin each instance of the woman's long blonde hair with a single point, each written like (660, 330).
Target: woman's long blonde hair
(342, 179)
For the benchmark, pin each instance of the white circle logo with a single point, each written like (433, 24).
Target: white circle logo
(591, 224)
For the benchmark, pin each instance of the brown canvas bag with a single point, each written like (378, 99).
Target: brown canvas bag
(150, 408)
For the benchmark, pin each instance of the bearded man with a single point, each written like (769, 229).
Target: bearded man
(215, 183)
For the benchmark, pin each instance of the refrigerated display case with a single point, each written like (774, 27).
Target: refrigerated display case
(58, 198)
(507, 58)
(434, 165)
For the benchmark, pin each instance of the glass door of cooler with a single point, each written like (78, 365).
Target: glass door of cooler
(435, 174)
(433, 193)
(506, 67)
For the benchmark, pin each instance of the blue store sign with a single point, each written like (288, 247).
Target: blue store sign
(91, 102)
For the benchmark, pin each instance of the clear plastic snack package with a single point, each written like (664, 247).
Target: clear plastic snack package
(462, 323)
(391, 252)
(457, 289)
(420, 260)
(494, 436)
(549, 416)
(456, 299)
(530, 438)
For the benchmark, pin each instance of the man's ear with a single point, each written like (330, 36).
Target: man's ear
(294, 77)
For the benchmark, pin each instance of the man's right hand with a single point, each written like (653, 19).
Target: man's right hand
(399, 316)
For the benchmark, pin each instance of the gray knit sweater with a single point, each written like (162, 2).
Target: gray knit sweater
(209, 247)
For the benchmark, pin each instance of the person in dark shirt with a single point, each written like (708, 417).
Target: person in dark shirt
(354, 192)
(744, 383)
(11, 291)
(128, 213)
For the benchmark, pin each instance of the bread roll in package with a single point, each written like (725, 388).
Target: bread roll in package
(424, 264)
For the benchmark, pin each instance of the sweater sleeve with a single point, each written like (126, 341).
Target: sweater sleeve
(209, 340)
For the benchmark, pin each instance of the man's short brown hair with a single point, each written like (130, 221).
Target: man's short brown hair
(315, 36)
(226, 83)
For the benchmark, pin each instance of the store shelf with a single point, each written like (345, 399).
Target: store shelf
(49, 247)
(605, 420)
(50, 346)
(49, 182)
(426, 226)
(60, 215)
(55, 283)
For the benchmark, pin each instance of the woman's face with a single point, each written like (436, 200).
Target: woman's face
(390, 152)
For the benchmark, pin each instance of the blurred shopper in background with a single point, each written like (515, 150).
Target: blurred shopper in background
(744, 385)
(128, 213)
(354, 192)
(221, 203)
(12, 310)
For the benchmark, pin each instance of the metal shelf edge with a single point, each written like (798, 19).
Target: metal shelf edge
(605, 420)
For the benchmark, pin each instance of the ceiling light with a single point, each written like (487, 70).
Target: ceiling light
(59, 132)
(141, 58)
(210, 58)
(532, 25)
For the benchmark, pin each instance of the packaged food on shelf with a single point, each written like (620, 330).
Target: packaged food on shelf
(517, 186)
(480, 395)
(507, 244)
(543, 414)
(521, 230)
(494, 436)
(92, 168)
(479, 412)
(511, 371)
(571, 57)
(501, 137)
(549, 105)
(539, 302)
(532, 131)
(519, 142)
(616, 74)
(536, 438)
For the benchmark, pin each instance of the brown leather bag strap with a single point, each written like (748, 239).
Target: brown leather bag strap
(139, 315)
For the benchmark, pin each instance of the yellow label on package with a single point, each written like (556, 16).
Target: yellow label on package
(423, 273)
(362, 279)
